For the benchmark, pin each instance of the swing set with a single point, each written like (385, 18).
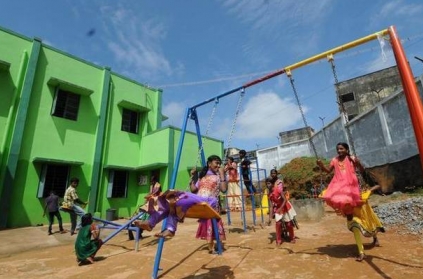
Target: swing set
(410, 90)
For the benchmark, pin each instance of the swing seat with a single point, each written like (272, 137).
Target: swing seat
(202, 211)
(66, 209)
(365, 195)
(198, 211)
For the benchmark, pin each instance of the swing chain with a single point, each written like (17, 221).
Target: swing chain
(342, 106)
(238, 108)
(346, 120)
(302, 113)
(216, 101)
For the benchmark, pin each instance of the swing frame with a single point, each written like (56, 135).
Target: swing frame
(411, 92)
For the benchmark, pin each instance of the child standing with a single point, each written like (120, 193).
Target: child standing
(52, 205)
(282, 209)
(234, 191)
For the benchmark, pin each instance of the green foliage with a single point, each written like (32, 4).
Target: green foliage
(302, 174)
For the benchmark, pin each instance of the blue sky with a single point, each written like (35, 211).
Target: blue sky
(195, 50)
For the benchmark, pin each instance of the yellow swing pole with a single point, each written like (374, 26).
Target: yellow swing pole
(335, 50)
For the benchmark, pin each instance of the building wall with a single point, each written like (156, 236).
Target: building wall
(383, 135)
(46, 136)
(295, 135)
(31, 137)
(369, 89)
(15, 60)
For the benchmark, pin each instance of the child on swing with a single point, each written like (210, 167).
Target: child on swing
(173, 205)
(343, 194)
(211, 181)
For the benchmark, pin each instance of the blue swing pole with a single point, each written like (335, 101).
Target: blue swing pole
(260, 189)
(171, 186)
(189, 113)
(241, 183)
(253, 197)
(194, 117)
(228, 209)
(203, 160)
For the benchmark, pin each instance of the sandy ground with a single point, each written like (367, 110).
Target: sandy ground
(323, 249)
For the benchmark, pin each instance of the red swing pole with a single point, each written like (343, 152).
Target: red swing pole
(411, 92)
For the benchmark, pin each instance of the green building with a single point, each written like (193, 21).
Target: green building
(63, 117)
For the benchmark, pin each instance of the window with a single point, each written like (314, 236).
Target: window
(347, 97)
(66, 104)
(53, 178)
(118, 184)
(130, 121)
(351, 116)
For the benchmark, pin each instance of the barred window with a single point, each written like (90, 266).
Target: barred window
(130, 121)
(53, 178)
(118, 184)
(66, 104)
(347, 97)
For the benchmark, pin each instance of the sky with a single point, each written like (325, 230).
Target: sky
(197, 50)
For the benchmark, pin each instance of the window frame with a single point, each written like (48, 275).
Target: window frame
(348, 97)
(43, 190)
(128, 127)
(67, 106)
(111, 191)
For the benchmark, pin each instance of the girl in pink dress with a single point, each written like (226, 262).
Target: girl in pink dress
(211, 180)
(343, 192)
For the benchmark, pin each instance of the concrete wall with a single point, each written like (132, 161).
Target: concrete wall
(382, 135)
(309, 209)
(369, 89)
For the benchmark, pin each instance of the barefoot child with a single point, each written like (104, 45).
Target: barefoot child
(343, 194)
(88, 241)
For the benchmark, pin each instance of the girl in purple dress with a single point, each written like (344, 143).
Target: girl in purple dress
(172, 206)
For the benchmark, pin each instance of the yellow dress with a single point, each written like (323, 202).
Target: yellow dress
(365, 219)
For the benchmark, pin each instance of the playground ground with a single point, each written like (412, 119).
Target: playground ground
(323, 249)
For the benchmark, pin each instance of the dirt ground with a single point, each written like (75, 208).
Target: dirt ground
(323, 249)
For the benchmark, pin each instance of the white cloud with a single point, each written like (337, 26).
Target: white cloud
(265, 15)
(175, 111)
(281, 21)
(407, 13)
(263, 116)
(136, 42)
(400, 8)
(383, 60)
